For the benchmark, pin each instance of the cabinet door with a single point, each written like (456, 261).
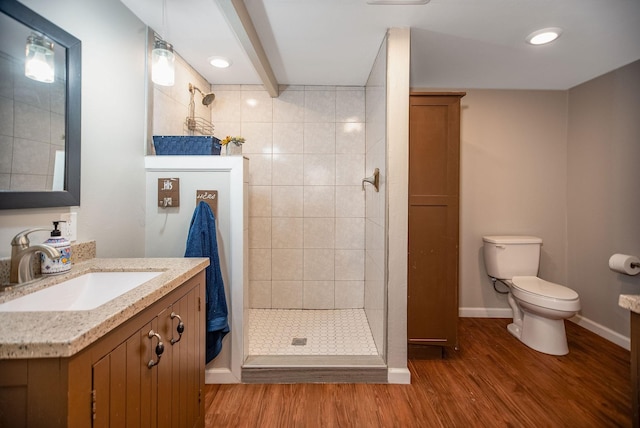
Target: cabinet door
(434, 135)
(124, 388)
(129, 393)
(186, 358)
(32, 393)
(164, 386)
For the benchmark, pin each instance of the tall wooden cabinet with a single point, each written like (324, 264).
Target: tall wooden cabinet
(434, 159)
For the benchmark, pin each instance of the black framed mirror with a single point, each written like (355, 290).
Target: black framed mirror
(34, 172)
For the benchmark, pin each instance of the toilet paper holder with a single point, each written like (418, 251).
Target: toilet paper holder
(625, 264)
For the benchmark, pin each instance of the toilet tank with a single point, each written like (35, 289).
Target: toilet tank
(509, 256)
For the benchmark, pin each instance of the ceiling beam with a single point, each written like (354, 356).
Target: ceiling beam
(240, 21)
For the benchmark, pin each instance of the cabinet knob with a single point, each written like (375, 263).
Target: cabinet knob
(179, 328)
(159, 348)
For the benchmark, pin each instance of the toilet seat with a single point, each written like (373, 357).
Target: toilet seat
(539, 292)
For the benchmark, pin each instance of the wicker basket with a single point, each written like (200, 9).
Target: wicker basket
(186, 145)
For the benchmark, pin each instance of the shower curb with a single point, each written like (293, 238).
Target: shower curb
(314, 369)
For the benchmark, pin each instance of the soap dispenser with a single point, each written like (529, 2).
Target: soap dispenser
(50, 266)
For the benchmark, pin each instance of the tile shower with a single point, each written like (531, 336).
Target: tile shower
(306, 207)
(307, 216)
(317, 250)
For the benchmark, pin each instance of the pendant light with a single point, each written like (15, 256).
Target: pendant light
(38, 64)
(163, 69)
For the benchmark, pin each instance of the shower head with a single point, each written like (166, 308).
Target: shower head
(207, 98)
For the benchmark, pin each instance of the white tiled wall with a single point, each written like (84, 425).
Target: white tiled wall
(376, 157)
(306, 225)
(31, 128)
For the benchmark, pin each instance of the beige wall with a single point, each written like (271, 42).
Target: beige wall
(603, 171)
(561, 165)
(513, 181)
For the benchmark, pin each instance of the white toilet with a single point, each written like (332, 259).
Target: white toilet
(539, 307)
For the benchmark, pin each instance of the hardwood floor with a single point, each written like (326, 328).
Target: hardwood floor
(492, 381)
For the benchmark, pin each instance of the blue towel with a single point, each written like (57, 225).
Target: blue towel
(202, 242)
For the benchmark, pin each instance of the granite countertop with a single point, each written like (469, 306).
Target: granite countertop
(64, 333)
(630, 301)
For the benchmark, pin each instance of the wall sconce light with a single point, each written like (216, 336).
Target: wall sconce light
(163, 69)
(39, 59)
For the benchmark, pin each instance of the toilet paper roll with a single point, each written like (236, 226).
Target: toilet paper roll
(624, 263)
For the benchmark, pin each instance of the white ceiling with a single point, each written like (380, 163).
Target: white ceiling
(454, 43)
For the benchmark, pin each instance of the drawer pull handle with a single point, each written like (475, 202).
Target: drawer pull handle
(159, 348)
(179, 329)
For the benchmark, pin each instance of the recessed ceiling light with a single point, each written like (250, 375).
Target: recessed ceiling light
(544, 36)
(219, 62)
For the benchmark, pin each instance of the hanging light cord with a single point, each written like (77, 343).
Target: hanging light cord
(165, 27)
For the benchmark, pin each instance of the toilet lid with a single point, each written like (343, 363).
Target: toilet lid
(535, 285)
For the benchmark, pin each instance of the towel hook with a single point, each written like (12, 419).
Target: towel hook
(374, 179)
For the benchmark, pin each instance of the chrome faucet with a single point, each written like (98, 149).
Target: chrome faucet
(22, 256)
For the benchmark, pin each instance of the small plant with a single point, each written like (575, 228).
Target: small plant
(235, 140)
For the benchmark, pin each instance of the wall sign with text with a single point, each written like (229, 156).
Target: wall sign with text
(168, 192)
(210, 197)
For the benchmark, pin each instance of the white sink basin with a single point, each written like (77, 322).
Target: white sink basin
(82, 293)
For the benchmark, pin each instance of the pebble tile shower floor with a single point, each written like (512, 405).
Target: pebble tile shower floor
(327, 332)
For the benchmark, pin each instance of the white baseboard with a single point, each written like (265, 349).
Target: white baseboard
(398, 376)
(600, 330)
(485, 313)
(219, 376)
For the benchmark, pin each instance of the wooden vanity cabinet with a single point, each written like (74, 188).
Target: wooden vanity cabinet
(635, 369)
(111, 383)
(434, 158)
